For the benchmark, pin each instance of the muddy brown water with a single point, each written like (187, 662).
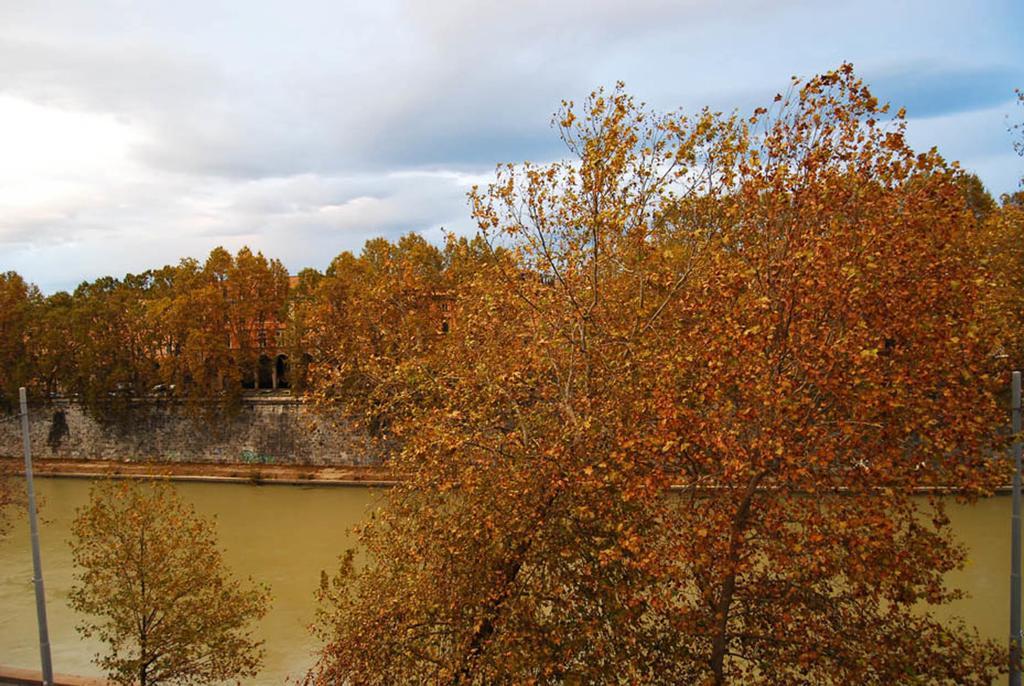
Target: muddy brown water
(284, 536)
(280, 535)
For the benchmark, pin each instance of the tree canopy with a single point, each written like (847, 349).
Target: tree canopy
(152, 584)
(785, 317)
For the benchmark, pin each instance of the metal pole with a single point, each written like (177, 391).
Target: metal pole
(1015, 577)
(37, 566)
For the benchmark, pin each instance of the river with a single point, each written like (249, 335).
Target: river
(284, 536)
(280, 535)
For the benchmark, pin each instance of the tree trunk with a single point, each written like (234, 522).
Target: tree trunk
(486, 627)
(720, 642)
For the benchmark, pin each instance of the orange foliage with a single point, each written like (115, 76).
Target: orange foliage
(784, 315)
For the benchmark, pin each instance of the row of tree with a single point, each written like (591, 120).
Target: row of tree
(208, 331)
(205, 332)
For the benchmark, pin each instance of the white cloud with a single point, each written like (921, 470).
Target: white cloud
(75, 203)
(134, 133)
(978, 140)
(56, 164)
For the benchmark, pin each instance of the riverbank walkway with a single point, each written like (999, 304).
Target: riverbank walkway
(327, 475)
(291, 475)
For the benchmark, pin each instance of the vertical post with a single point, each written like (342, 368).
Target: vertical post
(1015, 577)
(37, 566)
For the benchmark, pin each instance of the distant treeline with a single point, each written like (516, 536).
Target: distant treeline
(206, 333)
(210, 331)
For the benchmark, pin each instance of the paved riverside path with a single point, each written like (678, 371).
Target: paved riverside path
(362, 475)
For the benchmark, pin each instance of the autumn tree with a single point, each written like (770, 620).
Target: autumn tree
(196, 334)
(785, 317)
(1003, 239)
(464, 258)
(101, 344)
(203, 332)
(257, 291)
(977, 197)
(151, 580)
(370, 314)
(218, 323)
(18, 302)
(301, 311)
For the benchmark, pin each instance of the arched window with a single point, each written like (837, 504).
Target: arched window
(281, 368)
(266, 373)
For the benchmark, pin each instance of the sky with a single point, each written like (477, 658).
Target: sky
(133, 134)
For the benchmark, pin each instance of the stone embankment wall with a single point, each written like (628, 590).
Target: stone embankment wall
(266, 430)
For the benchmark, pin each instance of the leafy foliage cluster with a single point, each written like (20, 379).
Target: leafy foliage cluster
(152, 583)
(199, 332)
(794, 318)
(190, 327)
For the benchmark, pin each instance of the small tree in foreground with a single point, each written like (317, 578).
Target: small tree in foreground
(151, 576)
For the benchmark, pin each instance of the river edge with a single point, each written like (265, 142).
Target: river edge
(291, 475)
(367, 476)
